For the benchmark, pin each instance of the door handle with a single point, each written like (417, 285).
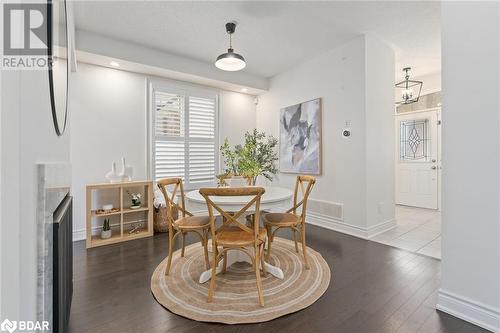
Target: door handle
(433, 167)
(433, 161)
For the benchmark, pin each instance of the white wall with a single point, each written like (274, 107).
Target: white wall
(432, 83)
(379, 126)
(28, 137)
(354, 91)
(109, 110)
(10, 185)
(1, 199)
(108, 122)
(470, 284)
(237, 115)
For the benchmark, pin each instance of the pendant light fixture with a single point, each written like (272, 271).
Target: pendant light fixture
(230, 61)
(410, 89)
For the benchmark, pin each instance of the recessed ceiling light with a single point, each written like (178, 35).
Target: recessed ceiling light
(244, 89)
(114, 63)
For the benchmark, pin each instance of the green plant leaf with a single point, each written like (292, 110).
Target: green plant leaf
(257, 156)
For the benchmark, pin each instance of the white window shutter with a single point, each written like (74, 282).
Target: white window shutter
(201, 162)
(169, 117)
(201, 117)
(201, 140)
(169, 159)
(185, 137)
(169, 147)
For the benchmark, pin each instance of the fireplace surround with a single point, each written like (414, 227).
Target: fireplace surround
(54, 245)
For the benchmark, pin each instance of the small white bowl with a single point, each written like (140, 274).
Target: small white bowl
(107, 207)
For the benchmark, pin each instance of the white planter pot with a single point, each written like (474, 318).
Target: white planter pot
(106, 234)
(237, 181)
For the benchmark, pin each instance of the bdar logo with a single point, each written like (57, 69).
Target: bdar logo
(8, 325)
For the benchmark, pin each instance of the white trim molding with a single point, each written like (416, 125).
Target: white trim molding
(319, 220)
(79, 235)
(469, 310)
(331, 223)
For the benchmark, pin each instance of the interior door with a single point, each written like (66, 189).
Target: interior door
(417, 163)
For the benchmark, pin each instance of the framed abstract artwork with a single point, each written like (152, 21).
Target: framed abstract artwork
(300, 138)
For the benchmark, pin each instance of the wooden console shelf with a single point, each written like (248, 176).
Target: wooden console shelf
(120, 227)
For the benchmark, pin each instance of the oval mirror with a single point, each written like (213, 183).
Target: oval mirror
(58, 42)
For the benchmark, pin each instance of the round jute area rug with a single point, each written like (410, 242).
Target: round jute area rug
(235, 300)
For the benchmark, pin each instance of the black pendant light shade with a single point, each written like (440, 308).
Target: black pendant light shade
(230, 61)
(410, 89)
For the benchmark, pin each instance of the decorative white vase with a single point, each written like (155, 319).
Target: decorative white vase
(126, 173)
(106, 234)
(112, 175)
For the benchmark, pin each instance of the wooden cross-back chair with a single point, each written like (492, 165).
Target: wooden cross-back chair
(187, 222)
(222, 182)
(234, 235)
(291, 219)
(222, 179)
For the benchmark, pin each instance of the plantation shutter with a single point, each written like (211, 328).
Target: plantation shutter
(201, 140)
(185, 136)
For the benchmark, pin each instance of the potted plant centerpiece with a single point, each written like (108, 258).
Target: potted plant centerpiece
(256, 157)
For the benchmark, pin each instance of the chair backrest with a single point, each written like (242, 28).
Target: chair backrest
(304, 184)
(231, 219)
(169, 187)
(222, 179)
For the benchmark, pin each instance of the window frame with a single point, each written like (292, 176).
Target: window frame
(186, 90)
(425, 141)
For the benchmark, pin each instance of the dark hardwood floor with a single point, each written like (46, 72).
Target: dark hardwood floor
(374, 288)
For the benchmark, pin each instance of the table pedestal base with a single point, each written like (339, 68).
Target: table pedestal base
(238, 256)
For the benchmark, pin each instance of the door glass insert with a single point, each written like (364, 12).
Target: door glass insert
(414, 140)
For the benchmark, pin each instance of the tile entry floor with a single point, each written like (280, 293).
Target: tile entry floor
(418, 230)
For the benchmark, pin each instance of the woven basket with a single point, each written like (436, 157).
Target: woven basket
(160, 218)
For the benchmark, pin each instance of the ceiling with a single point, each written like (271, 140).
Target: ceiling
(272, 36)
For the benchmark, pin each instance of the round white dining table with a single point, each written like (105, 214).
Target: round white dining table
(273, 198)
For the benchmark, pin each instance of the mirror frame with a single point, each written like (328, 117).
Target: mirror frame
(59, 130)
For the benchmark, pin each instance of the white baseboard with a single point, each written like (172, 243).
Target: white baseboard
(381, 227)
(79, 235)
(469, 310)
(328, 222)
(319, 220)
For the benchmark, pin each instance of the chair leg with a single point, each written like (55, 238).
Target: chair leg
(295, 240)
(224, 262)
(183, 243)
(212, 278)
(205, 248)
(262, 260)
(269, 241)
(303, 233)
(171, 243)
(250, 220)
(257, 275)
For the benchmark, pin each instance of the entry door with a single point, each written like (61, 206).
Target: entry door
(417, 166)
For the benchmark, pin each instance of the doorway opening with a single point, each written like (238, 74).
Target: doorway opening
(417, 179)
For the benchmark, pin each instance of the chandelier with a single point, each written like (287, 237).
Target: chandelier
(410, 89)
